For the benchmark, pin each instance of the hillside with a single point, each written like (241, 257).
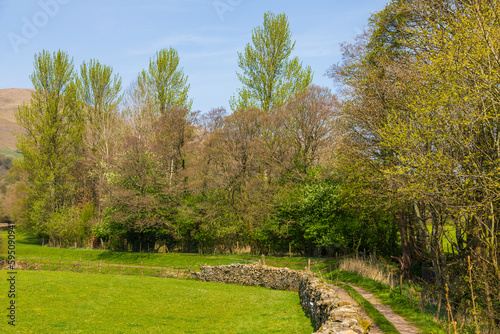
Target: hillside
(10, 99)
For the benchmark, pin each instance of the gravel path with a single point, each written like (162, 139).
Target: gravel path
(403, 326)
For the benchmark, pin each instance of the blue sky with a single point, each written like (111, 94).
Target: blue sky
(206, 33)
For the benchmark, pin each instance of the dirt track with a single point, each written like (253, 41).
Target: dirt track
(403, 326)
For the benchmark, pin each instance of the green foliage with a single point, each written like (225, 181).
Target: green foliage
(53, 141)
(99, 91)
(316, 217)
(166, 81)
(5, 162)
(269, 76)
(71, 224)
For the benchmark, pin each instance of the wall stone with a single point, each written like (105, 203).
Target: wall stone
(327, 312)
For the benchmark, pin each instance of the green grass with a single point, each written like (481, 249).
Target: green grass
(30, 248)
(399, 304)
(62, 302)
(450, 230)
(11, 153)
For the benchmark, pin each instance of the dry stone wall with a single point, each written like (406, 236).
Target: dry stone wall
(327, 312)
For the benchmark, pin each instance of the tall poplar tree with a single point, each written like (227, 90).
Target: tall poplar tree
(269, 76)
(52, 141)
(166, 81)
(99, 91)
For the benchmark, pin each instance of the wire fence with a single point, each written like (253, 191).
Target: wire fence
(100, 267)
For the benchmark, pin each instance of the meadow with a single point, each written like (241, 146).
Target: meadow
(10, 153)
(71, 302)
(62, 302)
(30, 248)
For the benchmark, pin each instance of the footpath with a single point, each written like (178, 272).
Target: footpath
(403, 326)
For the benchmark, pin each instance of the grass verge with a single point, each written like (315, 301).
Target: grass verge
(378, 318)
(399, 304)
(62, 302)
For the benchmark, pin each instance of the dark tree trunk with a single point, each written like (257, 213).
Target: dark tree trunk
(405, 261)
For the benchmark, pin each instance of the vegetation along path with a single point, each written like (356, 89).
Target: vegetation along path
(344, 296)
(401, 324)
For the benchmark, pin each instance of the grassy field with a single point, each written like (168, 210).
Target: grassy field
(62, 302)
(10, 153)
(30, 248)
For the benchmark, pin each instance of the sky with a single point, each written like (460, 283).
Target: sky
(208, 34)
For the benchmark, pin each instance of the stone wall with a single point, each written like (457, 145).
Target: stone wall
(327, 312)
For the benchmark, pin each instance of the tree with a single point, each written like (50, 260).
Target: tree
(166, 81)
(420, 109)
(53, 140)
(269, 77)
(309, 120)
(447, 148)
(99, 91)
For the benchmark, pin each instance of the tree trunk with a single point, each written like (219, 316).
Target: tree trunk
(405, 260)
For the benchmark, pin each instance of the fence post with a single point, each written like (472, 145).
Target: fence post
(41, 265)
(99, 266)
(289, 249)
(308, 264)
(80, 265)
(439, 306)
(121, 267)
(422, 300)
(88, 267)
(108, 268)
(142, 271)
(59, 263)
(263, 260)
(401, 284)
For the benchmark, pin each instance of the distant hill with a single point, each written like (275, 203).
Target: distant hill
(10, 99)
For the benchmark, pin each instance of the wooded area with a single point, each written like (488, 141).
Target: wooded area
(402, 161)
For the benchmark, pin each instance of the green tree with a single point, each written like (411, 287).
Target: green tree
(269, 76)
(99, 91)
(53, 139)
(447, 151)
(166, 81)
